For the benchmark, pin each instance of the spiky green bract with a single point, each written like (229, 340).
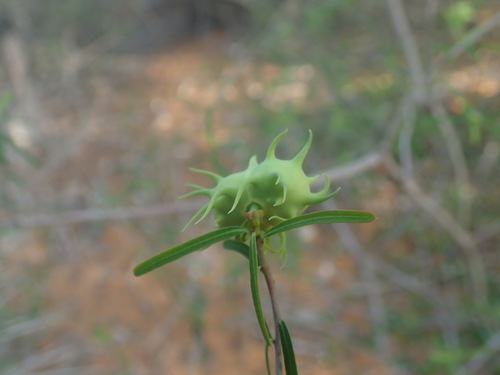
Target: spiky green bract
(278, 187)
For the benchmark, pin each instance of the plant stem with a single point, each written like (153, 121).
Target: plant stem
(264, 268)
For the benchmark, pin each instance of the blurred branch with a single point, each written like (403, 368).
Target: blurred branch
(402, 279)
(15, 330)
(402, 27)
(18, 13)
(17, 63)
(405, 140)
(79, 58)
(431, 8)
(419, 81)
(360, 165)
(473, 37)
(376, 304)
(428, 205)
(160, 333)
(405, 280)
(463, 238)
(486, 231)
(94, 369)
(457, 158)
(488, 159)
(82, 216)
(43, 360)
(488, 353)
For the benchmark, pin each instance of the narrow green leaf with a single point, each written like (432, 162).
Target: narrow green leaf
(322, 217)
(238, 247)
(268, 363)
(198, 243)
(254, 286)
(288, 352)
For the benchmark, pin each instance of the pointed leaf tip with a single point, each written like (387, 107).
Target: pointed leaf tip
(198, 243)
(322, 217)
(288, 352)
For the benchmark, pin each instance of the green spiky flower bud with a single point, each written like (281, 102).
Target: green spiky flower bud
(277, 187)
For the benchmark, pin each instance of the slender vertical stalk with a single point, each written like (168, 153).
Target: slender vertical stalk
(254, 286)
(264, 268)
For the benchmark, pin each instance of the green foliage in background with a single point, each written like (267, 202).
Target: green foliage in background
(459, 15)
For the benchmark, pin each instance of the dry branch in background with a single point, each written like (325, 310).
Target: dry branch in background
(422, 95)
(457, 159)
(416, 70)
(439, 215)
(355, 167)
(27, 221)
(29, 108)
(91, 215)
(488, 353)
(372, 284)
(473, 37)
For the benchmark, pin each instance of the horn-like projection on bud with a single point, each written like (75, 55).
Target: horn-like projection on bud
(278, 187)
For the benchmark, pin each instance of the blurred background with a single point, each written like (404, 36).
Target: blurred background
(104, 106)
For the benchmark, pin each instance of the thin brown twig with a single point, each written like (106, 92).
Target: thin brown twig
(402, 27)
(457, 158)
(479, 360)
(408, 282)
(28, 221)
(360, 165)
(404, 106)
(487, 231)
(473, 37)
(17, 61)
(376, 303)
(95, 214)
(462, 237)
(435, 211)
(44, 359)
(405, 140)
(266, 271)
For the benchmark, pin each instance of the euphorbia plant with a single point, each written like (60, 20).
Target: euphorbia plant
(250, 207)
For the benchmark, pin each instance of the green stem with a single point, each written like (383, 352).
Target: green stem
(254, 286)
(264, 268)
(268, 366)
